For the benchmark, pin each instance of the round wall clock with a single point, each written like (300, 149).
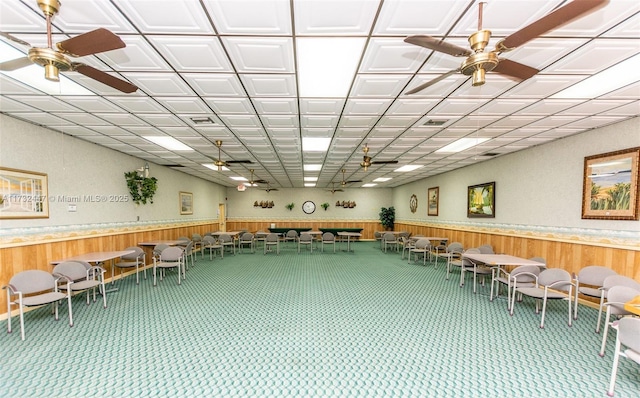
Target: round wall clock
(308, 207)
(413, 203)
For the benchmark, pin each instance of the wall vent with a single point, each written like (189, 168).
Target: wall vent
(202, 120)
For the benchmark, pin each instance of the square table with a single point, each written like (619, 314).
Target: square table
(349, 235)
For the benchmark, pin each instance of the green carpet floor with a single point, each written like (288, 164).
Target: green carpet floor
(362, 324)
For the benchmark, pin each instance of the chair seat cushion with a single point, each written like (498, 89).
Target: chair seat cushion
(539, 293)
(589, 291)
(41, 299)
(126, 264)
(82, 285)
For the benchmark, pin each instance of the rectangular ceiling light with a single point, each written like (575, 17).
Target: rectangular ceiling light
(381, 179)
(313, 144)
(167, 142)
(409, 167)
(214, 167)
(369, 185)
(327, 65)
(310, 184)
(613, 78)
(312, 167)
(238, 178)
(461, 145)
(33, 75)
(311, 178)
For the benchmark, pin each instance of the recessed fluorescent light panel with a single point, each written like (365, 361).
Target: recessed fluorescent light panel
(461, 145)
(381, 179)
(33, 75)
(312, 167)
(618, 76)
(313, 144)
(369, 185)
(409, 167)
(169, 143)
(310, 184)
(238, 178)
(326, 66)
(214, 167)
(311, 178)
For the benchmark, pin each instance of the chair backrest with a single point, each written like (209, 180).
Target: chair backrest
(157, 250)
(388, 237)
(71, 269)
(620, 280)
(208, 240)
(225, 238)
(522, 273)
(539, 260)
(404, 234)
(271, 238)
(486, 249)
(423, 244)
(292, 233)
(620, 294)
(553, 275)
(629, 333)
(32, 281)
(246, 237)
(171, 254)
(594, 275)
(465, 261)
(185, 239)
(377, 235)
(305, 237)
(455, 247)
(196, 238)
(137, 253)
(189, 247)
(328, 237)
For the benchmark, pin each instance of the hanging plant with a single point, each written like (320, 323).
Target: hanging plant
(325, 206)
(290, 206)
(141, 188)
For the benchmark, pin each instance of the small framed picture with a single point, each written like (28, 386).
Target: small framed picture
(433, 201)
(186, 203)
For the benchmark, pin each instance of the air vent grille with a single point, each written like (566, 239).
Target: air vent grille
(434, 122)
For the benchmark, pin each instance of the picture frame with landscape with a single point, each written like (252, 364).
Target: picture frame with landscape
(481, 200)
(610, 185)
(186, 203)
(433, 201)
(23, 194)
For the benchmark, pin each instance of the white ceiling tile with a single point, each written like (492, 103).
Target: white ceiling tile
(593, 107)
(548, 107)
(224, 106)
(121, 119)
(386, 55)
(48, 104)
(381, 86)
(193, 53)
(15, 18)
(270, 85)
(321, 105)
(80, 16)
(311, 121)
(601, 20)
(405, 106)
(441, 89)
(42, 118)
(268, 106)
(455, 107)
(541, 86)
(160, 84)
(358, 121)
(418, 17)
(215, 85)
(595, 56)
(137, 56)
(503, 106)
(84, 118)
(255, 17)
(397, 121)
(279, 121)
(241, 120)
(184, 104)
(320, 17)
(91, 104)
(260, 55)
(137, 104)
(631, 109)
(363, 106)
(9, 105)
(169, 16)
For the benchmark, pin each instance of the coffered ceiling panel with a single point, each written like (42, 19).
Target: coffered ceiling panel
(232, 70)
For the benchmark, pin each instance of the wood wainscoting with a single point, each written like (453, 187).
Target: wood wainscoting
(569, 255)
(19, 257)
(368, 226)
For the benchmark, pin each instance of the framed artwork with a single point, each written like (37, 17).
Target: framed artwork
(23, 194)
(433, 201)
(610, 187)
(481, 200)
(186, 203)
(413, 203)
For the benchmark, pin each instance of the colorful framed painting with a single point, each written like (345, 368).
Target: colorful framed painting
(481, 200)
(610, 186)
(433, 201)
(23, 194)
(186, 203)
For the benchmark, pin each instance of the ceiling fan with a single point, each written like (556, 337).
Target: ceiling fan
(55, 60)
(253, 182)
(334, 190)
(367, 162)
(478, 62)
(343, 182)
(269, 189)
(221, 163)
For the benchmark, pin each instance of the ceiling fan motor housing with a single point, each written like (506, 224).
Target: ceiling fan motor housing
(52, 61)
(477, 64)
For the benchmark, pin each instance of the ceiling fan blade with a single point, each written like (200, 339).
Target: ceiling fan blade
(384, 162)
(432, 82)
(238, 161)
(96, 41)
(352, 181)
(553, 20)
(105, 78)
(15, 39)
(260, 181)
(15, 64)
(438, 45)
(515, 69)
